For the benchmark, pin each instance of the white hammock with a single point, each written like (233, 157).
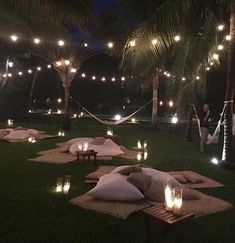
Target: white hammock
(113, 123)
(214, 138)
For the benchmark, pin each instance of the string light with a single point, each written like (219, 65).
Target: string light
(154, 41)
(66, 62)
(132, 43)
(103, 79)
(4, 75)
(49, 66)
(10, 64)
(83, 75)
(183, 78)
(58, 63)
(36, 41)
(215, 56)
(177, 38)
(110, 45)
(208, 68)
(197, 77)
(30, 71)
(211, 63)
(123, 78)
(228, 37)
(39, 68)
(220, 47)
(14, 38)
(20, 73)
(113, 79)
(9, 75)
(61, 43)
(161, 103)
(220, 27)
(85, 45)
(171, 103)
(93, 77)
(73, 70)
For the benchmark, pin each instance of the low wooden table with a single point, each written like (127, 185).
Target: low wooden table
(87, 154)
(161, 216)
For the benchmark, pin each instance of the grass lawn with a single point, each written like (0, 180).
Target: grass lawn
(31, 212)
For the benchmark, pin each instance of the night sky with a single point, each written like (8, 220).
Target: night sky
(100, 5)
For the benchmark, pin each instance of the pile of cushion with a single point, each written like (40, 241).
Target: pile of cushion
(18, 133)
(132, 183)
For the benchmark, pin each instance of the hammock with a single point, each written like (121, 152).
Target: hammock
(112, 123)
(214, 138)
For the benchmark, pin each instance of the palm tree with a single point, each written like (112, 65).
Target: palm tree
(66, 56)
(188, 59)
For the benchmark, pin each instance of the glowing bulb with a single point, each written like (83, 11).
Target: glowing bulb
(168, 75)
(59, 100)
(20, 73)
(174, 119)
(74, 115)
(132, 43)
(177, 38)
(220, 47)
(211, 63)
(117, 117)
(4, 75)
(145, 154)
(139, 156)
(220, 27)
(197, 77)
(228, 37)
(83, 75)
(113, 79)
(133, 120)
(10, 64)
(171, 103)
(61, 43)
(85, 45)
(215, 56)
(14, 38)
(154, 41)
(161, 103)
(93, 77)
(165, 73)
(110, 45)
(39, 68)
(73, 70)
(183, 79)
(215, 161)
(29, 71)
(49, 66)
(66, 62)
(123, 78)
(36, 41)
(103, 79)
(9, 75)
(139, 145)
(208, 68)
(58, 63)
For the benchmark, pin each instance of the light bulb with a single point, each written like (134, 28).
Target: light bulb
(14, 38)
(36, 41)
(177, 38)
(110, 45)
(220, 27)
(154, 41)
(66, 62)
(61, 43)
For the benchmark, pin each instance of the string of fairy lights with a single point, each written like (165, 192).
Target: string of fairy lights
(133, 43)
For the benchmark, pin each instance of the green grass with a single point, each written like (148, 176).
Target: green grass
(31, 212)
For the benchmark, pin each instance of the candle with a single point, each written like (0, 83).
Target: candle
(59, 133)
(59, 184)
(80, 147)
(139, 156)
(85, 146)
(10, 122)
(30, 139)
(109, 132)
(133, 120)
(62, 133)
(145, 144)
(66, 187)
(139, 146)
(168, 198)
(145, 154)
(177, 200)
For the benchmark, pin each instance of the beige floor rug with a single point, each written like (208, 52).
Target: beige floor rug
(205, 206)
(116, 209)
(39, 137)
(55, 156)
(93, 177)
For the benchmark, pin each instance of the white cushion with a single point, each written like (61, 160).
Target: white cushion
(33, 131)
(80, 140)
(115, 187)
(160, 177)
(116, 170)
(17, 135)
(108, 148)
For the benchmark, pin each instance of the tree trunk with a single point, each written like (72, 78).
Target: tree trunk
(155, 82)
(188, 136)
(66, 122)
(32, 88)
(228, 157)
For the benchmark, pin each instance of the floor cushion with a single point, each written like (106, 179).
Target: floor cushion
(115, 187)
(17, 135)
(33, 131)
(141, 181)
(193, 179)
(180, 178)
(80, 140)
(3, 133)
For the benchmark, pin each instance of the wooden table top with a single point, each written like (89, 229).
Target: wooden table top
(159, 213)
(88, 152)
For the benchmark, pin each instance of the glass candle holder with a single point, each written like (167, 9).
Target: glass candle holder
(85, 146)
(168, 194)
(145, 144)
(67, 183)
(177, 201)
(59, 184)
(109, 132)
(139, 146)
(145, 154)
(80, 147)
(139, 156)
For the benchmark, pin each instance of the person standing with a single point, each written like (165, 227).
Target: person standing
(204, 126)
